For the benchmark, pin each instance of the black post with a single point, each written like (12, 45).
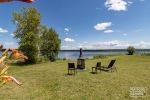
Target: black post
(80, 53)
(81, 61)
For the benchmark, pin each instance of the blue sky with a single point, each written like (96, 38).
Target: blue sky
(90, 24)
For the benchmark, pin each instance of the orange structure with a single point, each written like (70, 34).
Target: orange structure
(27, 1)
(15, 54)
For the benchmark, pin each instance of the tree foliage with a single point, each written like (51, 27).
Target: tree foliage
(27, 22)
(131, 50)
(34, 37)
(50, 43)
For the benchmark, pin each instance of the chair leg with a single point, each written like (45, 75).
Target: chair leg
(116, 69)
(111, 69)
(96, 70)
(92, 69)
(76, 71)
(68, 71)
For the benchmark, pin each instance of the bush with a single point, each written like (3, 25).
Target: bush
(50, 43)
(64, 58)
(61, 58)
(99, 56)
(131, 50)
(145, 54)
(42, 59)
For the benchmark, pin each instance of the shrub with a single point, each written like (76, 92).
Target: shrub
(145, 54)
(131, 50)
(42, 59)
(50, 43)
(99, 56)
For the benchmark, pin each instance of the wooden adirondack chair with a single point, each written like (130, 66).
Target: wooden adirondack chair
(110, 66)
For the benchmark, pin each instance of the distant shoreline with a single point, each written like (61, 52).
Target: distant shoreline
(100, 50)
(107, 50)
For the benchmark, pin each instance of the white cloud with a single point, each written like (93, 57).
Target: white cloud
(69, 40)
(114, 44)
(10, 45)
(16, 22)
(98, 8)
(130, 2)
(111, 44)
(125, 34)
(12, 34)
(76, 35)
(143, 45)
(102, 26)
(67, 29)
(108, 31)
(3, 30)
(69, 47)
(85, 42)
(142, 0)
(101, 45)
(117, 5)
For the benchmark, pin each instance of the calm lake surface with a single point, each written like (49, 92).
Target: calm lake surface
(89, 54)
(74, 54)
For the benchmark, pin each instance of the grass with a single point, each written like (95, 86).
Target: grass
(48, 81)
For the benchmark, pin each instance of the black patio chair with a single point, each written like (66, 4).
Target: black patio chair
(111, 66)
(98, 67)
(71, 67)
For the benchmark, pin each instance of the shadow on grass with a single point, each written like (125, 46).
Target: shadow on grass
(20, 64)
(103, 70)
(93, 72)
(70, 74)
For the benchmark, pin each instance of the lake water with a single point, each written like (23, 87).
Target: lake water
(90, 54)
(69, 54)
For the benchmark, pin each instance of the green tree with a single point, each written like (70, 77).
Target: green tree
(27, 22)
(50, 44)
(131, 50)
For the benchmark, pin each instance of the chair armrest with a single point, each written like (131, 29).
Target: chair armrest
(105, 66)
(114, 66)
(71, 68)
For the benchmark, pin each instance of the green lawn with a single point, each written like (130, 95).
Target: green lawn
(48, 81)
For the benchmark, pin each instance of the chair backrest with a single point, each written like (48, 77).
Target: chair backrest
(71, 65)
(111, 63)
(98, 64)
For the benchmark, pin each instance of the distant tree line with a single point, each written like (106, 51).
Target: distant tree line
(33, 37)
